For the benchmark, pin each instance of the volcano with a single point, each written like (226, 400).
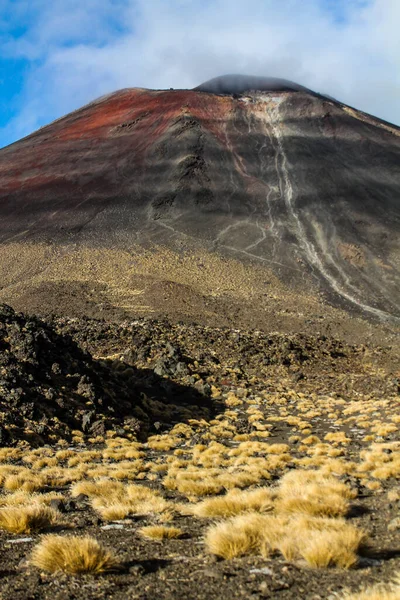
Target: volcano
(259, 171)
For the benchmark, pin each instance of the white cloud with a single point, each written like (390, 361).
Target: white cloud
(82, 49)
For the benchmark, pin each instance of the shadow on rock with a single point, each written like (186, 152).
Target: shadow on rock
(50, 387)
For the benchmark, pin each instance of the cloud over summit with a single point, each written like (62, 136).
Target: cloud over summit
(74, 51)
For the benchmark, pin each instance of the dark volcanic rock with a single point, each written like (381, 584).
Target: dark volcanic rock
(40, 402)
(34, 394)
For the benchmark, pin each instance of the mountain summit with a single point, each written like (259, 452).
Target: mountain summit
(239, 84)
(258, 170)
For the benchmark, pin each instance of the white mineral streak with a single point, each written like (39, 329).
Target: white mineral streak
(342, 286)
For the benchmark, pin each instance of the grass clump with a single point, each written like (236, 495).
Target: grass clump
(132, 499)
(29, 519)
(25, 482)
(73, 554)
(313, 493)
(101, 488)
(160, 532)
(324, 543)
(235, 502)
(320, 542)
(237, 536)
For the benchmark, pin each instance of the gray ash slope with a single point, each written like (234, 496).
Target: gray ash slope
(279, 175)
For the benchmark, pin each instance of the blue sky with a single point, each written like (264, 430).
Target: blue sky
(57, 55)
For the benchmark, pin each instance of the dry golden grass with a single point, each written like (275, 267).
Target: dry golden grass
(235, 537)
(29, 519)
(321, 543)
(376, 593)
(338, 437)
(394, 525)
(163, 442)
(24, 481)
(334, 543)
(119, 509)
(235, 502)
(64, 454)
(394, 495)
(191, 487)
(128, 500)
(100, 488)
(44, 462)
(316, 504)
(373, 485)
(72, 554)
(232, 400)
(26, 498)
(138, 493)
(274, 537)
(114, 511)
(313, 493)
(160, 532)
(10, 454)
(300, 519)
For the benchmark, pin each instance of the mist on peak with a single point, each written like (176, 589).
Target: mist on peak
(238, 84)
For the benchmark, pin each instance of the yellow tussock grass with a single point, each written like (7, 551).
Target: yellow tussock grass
(23, 481)
(21, 498)
(393, 495)
(113, 511)
(313, 493)
(317, 504)
(163, 442)
(320, 542)
(235, 502)
(329, 547)
(28, 519)
(140, 492)
(373, 485)
(160, 532)
(337, 437)
(131, 500)
(72, 554)
(192, 487)
(102, 487)
(235, 537)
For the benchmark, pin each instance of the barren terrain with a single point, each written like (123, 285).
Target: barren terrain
(298, 433)
(199, 349)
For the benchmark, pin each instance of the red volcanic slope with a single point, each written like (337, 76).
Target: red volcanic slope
(79, 163)
(299, 182)
(150, 113)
